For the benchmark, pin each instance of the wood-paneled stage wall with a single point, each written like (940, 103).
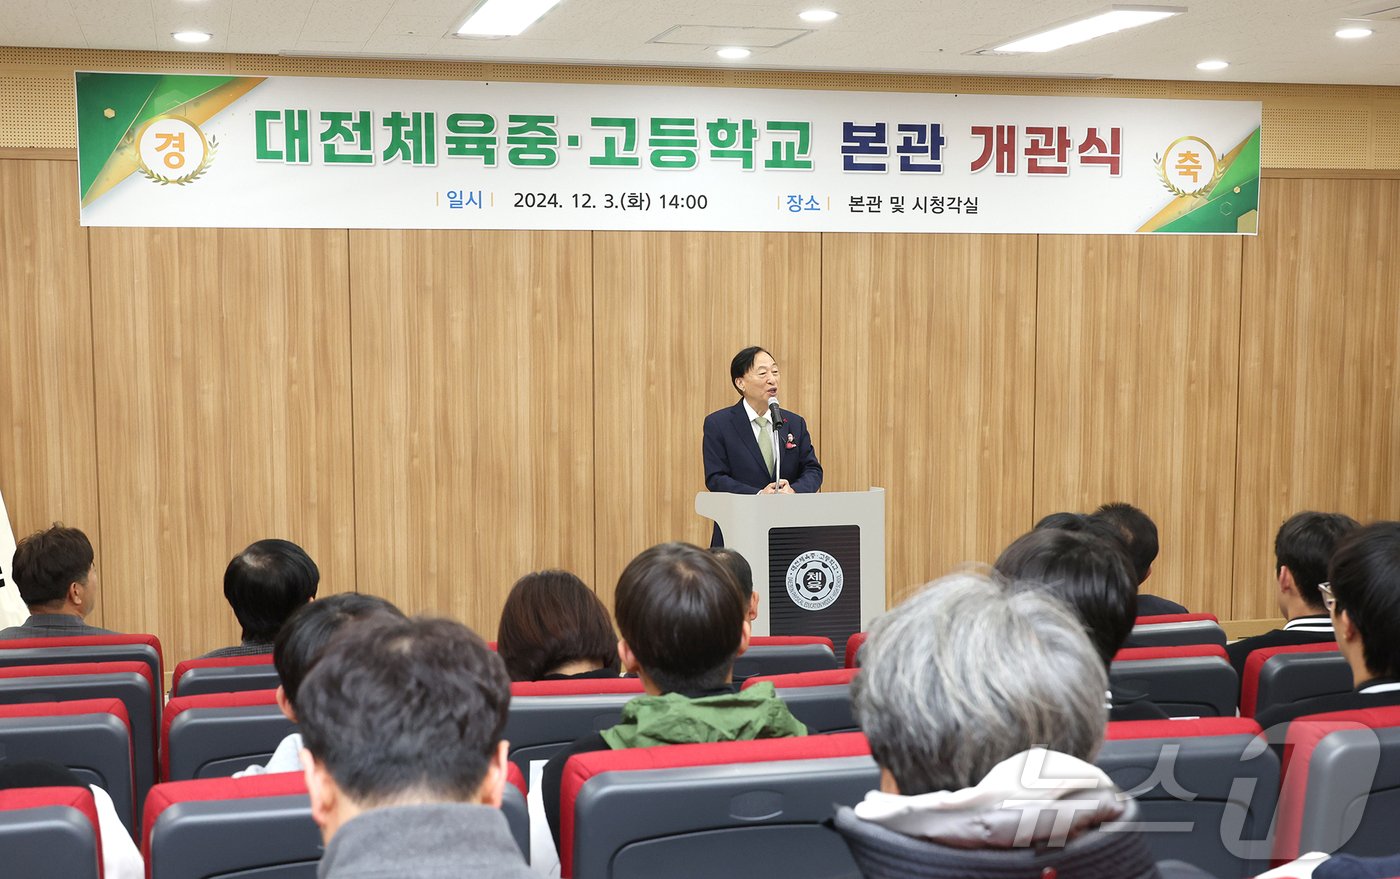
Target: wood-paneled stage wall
(434, 413)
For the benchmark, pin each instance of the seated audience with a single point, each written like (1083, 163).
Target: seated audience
(1140, 537)
(554, 628)
(404, 758)
(57, 580)
(265, 584)
(743, 575)
(683, 622)
(984, 754)
(121, 859)
(1302, 549)
(298, 647)
(1363, 600)
(1089, 572)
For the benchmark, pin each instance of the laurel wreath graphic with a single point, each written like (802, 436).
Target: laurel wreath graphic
(1181, 193)
(194, 175)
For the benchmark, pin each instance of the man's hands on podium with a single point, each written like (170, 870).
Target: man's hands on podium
(779, 487)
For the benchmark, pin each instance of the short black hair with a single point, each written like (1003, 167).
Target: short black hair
(47, 562)
(1139, 534)
(1305, 544)
(552, 618)
(303, 639)
(266, 583)
(681, 612)
(401, 708)
(742, 363)
(1087, 571)
(738, 566)
(1365, 576)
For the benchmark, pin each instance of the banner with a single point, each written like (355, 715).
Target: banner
(12, 609)
(186, 150)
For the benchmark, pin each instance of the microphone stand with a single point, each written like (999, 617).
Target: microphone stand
(778, 422)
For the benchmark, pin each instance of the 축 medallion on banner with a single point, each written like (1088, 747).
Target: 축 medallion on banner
(1189, 167)
(172, 149)
(814, 580)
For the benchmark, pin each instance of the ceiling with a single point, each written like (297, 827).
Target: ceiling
(1264, 40)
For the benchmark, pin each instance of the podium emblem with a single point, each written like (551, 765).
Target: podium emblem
(814, 580)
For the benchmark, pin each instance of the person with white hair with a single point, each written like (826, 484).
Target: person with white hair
(983, 704)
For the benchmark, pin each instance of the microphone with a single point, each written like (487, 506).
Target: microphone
(773, 414)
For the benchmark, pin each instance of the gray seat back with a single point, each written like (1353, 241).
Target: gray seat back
(517, 812)
(217, 742)
(226, 679)
(250, 838)
(538, 727)
(825, 709)
(48, 842)
(1176, 634)
(780, 659)
(1206, 800)
(96, 747)
(13, 656)
(1286, 678)
(1186, 686)
(1353, 793)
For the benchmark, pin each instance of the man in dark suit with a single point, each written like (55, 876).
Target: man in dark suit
(1302, 549)
(1363, 599)
(741, 446)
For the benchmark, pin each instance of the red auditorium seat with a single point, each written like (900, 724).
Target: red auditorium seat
(92, 737)
(785, 654)
(86, 648)
(50, 833)
(1279, 675)
(820, 699)
(546, 716)
(228, 674)
(1188, 680)
(218, 734)
(1198, 783)
(1175, 629)
(131, 682)
(253, 828)
(1341, 784)
(737, 809)
(854, 644)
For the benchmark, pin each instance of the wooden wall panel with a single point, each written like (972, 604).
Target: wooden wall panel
(1136, 394)
(48, 460)
(672, 310)
(1320, 425)
(223, 399)
(473, 365)
(928, 353)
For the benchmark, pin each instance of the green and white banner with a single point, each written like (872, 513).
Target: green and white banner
(185, 150)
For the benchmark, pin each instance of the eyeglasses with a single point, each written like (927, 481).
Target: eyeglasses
(1329, 600)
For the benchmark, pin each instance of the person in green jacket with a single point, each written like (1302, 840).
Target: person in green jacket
(683, 620)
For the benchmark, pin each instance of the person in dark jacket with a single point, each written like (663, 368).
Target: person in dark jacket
(264, 585)
(1139, 534)
(57, 581)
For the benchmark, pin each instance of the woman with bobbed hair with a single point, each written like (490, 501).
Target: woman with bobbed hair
(553, 628)
(983, 705)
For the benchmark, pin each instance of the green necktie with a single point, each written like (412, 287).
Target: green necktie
(765, 441)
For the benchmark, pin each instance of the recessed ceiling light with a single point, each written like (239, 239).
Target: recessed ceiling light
(504, 18)
(1111, 21)
(191, 36)
(817, 16)
(1213, 65)
(733, 53)
(1354, 33)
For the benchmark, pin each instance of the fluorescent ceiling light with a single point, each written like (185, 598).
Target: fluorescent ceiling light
(733, 53)
(817, 16)
(1354, 33)
(504, 18)
(1213, 65)
(192, 36)
(1111, 21)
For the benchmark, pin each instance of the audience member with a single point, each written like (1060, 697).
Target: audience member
(57, 579)
(404, 758)
(1302, 549)
(683, 622)
(984, 755)
(553, 628)
(265, 584)
(1089, 572)
(1363, 600)
(121, 859)
(743, 575)
(1140, 536)
(298, 647)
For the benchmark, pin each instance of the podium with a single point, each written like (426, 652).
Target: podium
(818, 559)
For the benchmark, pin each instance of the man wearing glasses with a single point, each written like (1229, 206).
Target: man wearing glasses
(1362, 599)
